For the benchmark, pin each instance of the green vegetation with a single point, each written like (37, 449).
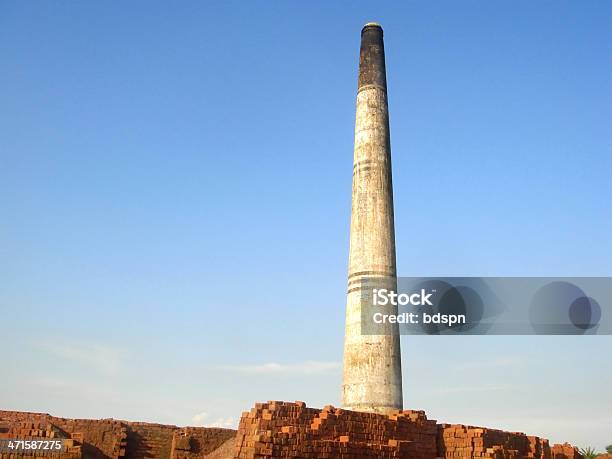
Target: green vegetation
(588, 453)
(609, 449)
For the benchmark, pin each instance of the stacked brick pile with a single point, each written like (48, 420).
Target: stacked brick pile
(105, 438)
(99, 439)
(41, 430)
(113, 439)
(540, 447)
(149, 440)
(281, 429)
(565, 451)
(456, 440)
(158, 440)
(194, 442)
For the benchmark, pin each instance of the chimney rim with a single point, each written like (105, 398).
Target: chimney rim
(372, 24)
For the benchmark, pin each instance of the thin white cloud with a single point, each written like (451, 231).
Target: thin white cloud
(303, 368)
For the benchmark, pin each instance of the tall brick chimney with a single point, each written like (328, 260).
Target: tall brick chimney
(372, 363)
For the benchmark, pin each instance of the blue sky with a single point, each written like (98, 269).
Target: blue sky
(175, 198)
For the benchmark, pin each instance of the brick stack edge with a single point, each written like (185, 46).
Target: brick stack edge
(281, 429)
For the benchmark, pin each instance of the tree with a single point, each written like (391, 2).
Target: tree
(609, 449)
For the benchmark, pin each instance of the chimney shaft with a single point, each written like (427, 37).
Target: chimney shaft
(372, 363)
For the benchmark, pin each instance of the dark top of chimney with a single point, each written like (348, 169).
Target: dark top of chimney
(372, 57)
